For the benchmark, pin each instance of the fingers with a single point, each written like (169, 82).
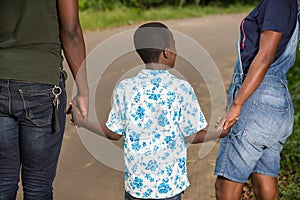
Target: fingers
(84, 113)
(72, 122)
(76, 116)
(218, 120)
(69, 110)
(81, 102)
(74, 112)
(225, 123)
(220, 123)
(230, 123)
(81, 110)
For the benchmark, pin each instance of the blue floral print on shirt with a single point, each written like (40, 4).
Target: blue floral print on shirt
(155, 111)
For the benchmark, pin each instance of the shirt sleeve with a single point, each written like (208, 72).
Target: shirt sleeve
(276, 16)
(192, 119)
(116, 118)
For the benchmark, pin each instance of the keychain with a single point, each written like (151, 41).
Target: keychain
(56, 91)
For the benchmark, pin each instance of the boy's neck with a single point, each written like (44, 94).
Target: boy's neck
(157, 66)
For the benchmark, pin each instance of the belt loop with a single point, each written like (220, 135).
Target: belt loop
(63, 73)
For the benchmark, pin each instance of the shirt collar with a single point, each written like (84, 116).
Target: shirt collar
(153, 73)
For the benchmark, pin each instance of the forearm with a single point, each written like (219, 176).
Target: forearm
(267, 50)
(72, 42)
(205, 136)
(99, 129)
(269, 41)
(256, 74)
(74, 51)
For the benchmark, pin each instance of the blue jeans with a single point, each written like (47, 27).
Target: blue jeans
(129, 197)
(28, 139)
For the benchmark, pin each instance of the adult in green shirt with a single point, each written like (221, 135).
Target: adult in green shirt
(32, 90)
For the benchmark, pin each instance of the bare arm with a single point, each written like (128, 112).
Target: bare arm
(99, 129)
(74, 50)
(269, 41)
(205, 136)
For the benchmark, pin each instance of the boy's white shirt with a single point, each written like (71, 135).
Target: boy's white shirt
(154, 111)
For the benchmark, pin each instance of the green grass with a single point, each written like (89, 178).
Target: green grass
(95, 19)
(290, 156)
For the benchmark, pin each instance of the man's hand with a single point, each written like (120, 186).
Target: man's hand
(78, 109)
(82, 104)
(76, 117)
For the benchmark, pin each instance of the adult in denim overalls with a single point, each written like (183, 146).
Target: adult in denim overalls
(260, 118)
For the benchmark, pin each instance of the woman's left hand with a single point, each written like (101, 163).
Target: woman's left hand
(230, 118)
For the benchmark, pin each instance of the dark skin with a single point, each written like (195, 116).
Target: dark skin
(74, 50)
(166, 60)
(265, 187)
(104, 131)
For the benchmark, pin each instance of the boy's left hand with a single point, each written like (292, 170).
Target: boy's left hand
(77, 119)
(220, 127)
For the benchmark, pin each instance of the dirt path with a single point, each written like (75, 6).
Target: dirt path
(82, 177)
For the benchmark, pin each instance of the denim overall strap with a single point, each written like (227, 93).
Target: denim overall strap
(237, 77)
(280, 67)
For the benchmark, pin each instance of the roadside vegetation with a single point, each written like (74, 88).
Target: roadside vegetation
(94, 18)
(100, 14)
(290, 156)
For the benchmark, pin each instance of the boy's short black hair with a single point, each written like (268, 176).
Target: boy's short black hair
(150, 40)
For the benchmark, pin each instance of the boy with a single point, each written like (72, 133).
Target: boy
(157, 114)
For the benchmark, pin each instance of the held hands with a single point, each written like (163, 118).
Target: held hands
(230, 118)
(76, 117)
(79, 109)
(82, 103)
(219, 128)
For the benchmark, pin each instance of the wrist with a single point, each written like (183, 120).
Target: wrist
(82, 88)
(237, 103)
(84, 92)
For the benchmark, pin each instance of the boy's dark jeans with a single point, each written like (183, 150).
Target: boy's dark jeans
(129, 197)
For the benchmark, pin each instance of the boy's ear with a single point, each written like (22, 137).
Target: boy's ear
(166, 53)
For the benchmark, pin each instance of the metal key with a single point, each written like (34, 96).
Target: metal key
(56, 91)
(56, 101)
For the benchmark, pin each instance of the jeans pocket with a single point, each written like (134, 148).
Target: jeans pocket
(267, 119)
(38, 104)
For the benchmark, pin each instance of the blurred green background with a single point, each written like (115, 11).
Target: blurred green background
(100, 14)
